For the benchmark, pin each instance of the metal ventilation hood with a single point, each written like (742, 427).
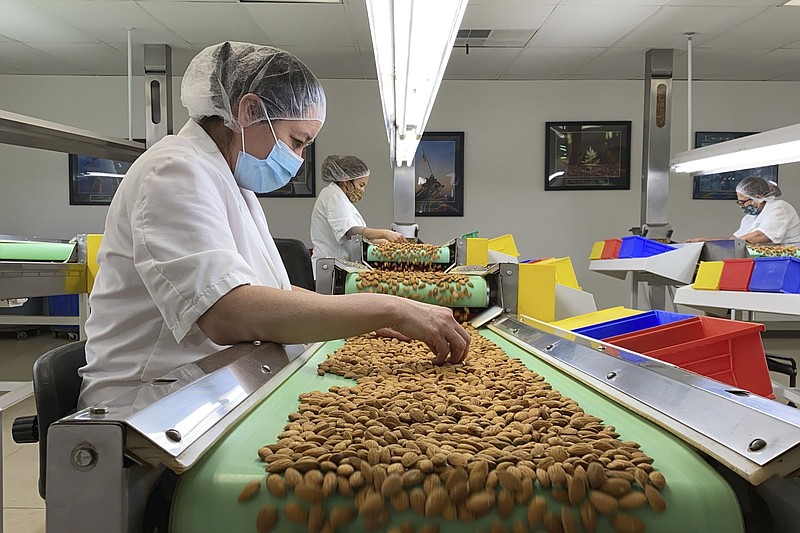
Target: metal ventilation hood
(21, 130)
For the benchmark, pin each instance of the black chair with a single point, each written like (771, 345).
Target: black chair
(783, 365)
(56, 386)
(297, 261)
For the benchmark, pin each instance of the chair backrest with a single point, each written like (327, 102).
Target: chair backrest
(297, 261)
(56, 386)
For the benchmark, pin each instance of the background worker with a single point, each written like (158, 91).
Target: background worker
(768, 218)
(335, 218)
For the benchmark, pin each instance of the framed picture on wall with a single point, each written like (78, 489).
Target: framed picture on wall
(722, 186)
(591, 155)
(94, 180)
(439, 172)
(301, 185)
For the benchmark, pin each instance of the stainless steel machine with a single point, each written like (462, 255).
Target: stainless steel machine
(200, 420)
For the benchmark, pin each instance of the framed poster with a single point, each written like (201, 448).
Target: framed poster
(722, 186)
(94, 180)
(302, 184)
(439, 172)
(593, 155)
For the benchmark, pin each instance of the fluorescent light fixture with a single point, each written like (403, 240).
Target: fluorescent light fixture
(774, 147)
(795, 3)
(412, 40)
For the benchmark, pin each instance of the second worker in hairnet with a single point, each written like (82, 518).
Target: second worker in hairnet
(335, 218)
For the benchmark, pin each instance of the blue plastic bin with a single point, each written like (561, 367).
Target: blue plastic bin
(776, 274)
(636, 246)
(629, 324)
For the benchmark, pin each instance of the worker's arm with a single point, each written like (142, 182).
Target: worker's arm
(756, 237)
(250, 312)
(385, 234)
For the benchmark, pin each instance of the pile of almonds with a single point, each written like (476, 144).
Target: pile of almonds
(407, 252)
(442, 288)
(449, 444)
(774, 250)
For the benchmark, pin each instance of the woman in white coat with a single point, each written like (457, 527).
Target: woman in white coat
(187, 262)
(335, 218)
(768, 218)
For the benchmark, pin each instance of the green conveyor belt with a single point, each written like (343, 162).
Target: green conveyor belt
(35, 251)
(478, 297)
(698, 499)
(443, 256)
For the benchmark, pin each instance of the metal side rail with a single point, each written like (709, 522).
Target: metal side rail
(755, 437)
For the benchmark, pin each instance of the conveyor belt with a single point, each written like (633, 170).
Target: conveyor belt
(475, 296)
(374, 254)
(35, 251)
(697, 498)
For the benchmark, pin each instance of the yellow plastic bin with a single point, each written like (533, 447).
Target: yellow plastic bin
(565, 273)
(597, 250)
(504, 244)
(708, 275)
(596, 317)
(536, 294)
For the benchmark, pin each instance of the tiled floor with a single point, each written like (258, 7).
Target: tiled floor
(23, 509)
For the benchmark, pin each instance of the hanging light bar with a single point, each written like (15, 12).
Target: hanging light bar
(774, 147)
(412, 41)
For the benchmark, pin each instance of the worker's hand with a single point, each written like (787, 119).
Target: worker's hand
(391, 236)
(436, 327)
(392, 334)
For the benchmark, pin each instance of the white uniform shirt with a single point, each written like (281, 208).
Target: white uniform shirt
(334, 214)
(778, 221)
(179, 235)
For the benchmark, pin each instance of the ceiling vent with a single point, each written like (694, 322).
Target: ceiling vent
(494, 38)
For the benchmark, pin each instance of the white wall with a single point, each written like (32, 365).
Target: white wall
(504, 145)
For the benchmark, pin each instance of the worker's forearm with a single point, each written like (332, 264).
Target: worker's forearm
(372, 233)
(756, 237)
(250, 313)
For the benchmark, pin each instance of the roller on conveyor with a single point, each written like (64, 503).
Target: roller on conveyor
(428, 256)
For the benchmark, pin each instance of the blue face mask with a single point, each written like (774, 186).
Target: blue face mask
(750, 209)
(270, 174)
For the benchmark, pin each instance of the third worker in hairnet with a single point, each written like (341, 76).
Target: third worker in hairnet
(335, 218)
(768, 218)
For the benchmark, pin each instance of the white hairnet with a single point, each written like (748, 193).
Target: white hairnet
(343, 168)
(758, 189)
(220, 75)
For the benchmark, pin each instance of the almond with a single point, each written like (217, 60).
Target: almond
(249, 491)
(266, 519)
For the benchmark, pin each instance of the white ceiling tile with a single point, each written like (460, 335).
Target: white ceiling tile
(505, 14)
(108, 21)
(714, 63)
(331, 62)
(207, 21)
(29, 60)
(24, 21)
(614, 64)
(577, 26)
(4, 38)
(668, 26)
(550, 63)
(480, 63)
(97, 58)
(320, 25)
(773, 64)
(725, 3)
(772, 28)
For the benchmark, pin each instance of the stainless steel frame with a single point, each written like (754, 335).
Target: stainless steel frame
(655, 159)
(755, 437)
(168, 423)
(158, 91)
(21, 130)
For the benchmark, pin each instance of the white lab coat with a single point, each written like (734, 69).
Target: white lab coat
(778, 221)
(334, 214)
(179, 235)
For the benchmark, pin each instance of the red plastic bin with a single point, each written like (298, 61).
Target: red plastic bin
(611, 249)
(726, 350)
(736, 274)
